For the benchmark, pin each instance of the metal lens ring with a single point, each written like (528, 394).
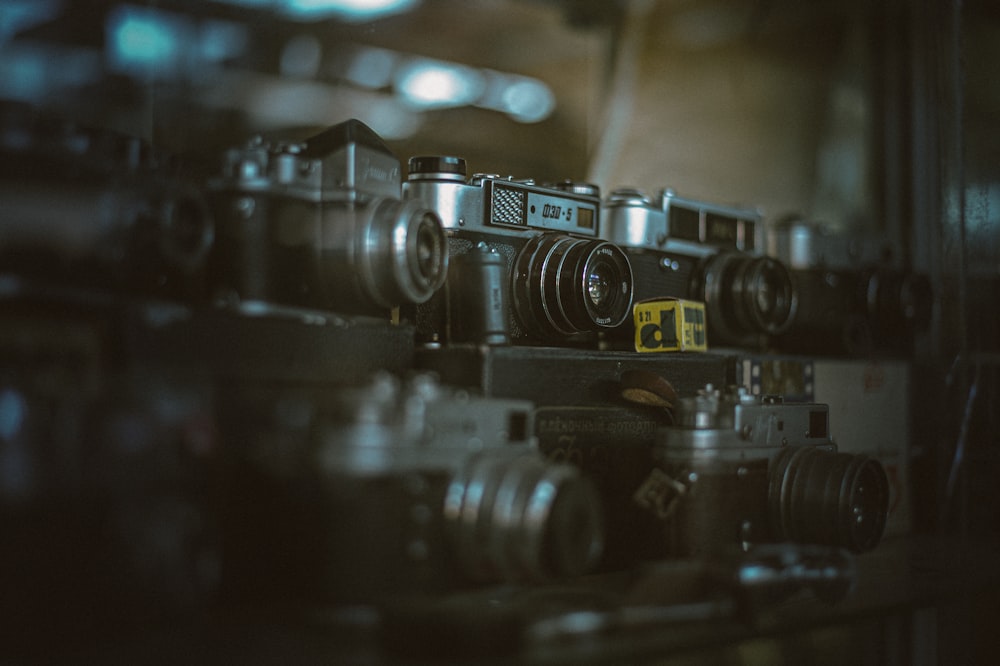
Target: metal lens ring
(565, 285)
(514, 516)
(402, 251)
(765, 288)
(835, 499)
(747, 295)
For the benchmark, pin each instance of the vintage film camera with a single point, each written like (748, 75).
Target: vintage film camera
(739, 470)
(321, 225)
(581, 416)
(528, 265)
(852, 298)
(87, 208)
(399, 488)
(680, 248)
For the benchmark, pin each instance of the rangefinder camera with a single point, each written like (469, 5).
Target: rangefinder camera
(738, 470)
(405, 487)
(852, 298)
(84, 208)
(529, 265)
(320, 224)
(748, 297)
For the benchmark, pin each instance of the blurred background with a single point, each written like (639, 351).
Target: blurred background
(789, 107)
(877, 119)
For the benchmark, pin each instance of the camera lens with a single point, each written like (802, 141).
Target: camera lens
(746, 295)
(400, 253)
(565, 285)
(514, 516)
(186, 233)
(821, 497)
(897, 302)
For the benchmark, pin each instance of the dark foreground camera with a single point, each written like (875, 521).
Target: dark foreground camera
(390, 489)
(747, 297)
(320, 225)
(739, 470)
(88, 208)
(107, 501)
(852, 300)
(535, 270)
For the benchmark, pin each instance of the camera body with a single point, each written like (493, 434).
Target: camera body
(321, 225)
(398, 488)
(529, 266)
(852, 299)
(88, 209)
(747, 297)
(738, 470)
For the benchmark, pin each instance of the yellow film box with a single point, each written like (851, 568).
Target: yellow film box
(669, 324)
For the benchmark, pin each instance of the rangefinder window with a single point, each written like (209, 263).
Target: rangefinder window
(684, 224)
(818, 421)
(722, 230)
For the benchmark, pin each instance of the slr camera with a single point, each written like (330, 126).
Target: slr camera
(398, 488)
(83, 209)
(321, 225)
(680, 248)
(738, 470)
(528, 263)
(852, 300)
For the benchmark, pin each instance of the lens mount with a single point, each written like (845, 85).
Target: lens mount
(746, 295)
(513, 516)
(822, 497)
(400, 252)
(564, 285)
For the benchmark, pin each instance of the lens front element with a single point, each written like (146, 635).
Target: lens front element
(565, 285)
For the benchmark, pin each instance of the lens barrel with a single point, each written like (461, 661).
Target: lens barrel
(745, 295)
(400, 252)
(565, 285)
(896, 302)
(822, 497)
(513, 516)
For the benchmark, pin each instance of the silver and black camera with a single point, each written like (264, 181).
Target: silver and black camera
(738, 470)
(853, 298)
(320, 224)
(679, 248)
(528, 263)
(85, 209)
(399, 488)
